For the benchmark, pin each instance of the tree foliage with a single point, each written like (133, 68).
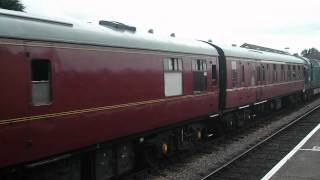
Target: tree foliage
(15, 5)
(311, 53)
(296, 54)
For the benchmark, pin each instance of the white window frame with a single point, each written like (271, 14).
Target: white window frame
(173, 80)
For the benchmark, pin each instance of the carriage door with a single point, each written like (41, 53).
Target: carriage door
(39, 57)
(214, 75)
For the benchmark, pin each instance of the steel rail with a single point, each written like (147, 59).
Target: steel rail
(259, 144)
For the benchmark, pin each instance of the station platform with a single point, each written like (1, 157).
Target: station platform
(302, 163)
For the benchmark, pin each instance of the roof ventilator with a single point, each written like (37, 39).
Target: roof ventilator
(151, 31)
(117, 26)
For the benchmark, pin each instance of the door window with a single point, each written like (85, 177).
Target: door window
(172, 76)
(199, 75)
(41, 85)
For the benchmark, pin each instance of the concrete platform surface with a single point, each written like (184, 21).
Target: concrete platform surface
(302, 163)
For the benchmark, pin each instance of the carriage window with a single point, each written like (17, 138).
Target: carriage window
(172, 64)
(234, 73)
(293, 72)
(289, 72)
(263, 74)
(172, 76)
(274, 75)
(301, 72)
(282, 73)
(258, 73)
(214, 73)
(199, 65)
(242, 74)
(199, 75)
(41, 85)
(253, 74)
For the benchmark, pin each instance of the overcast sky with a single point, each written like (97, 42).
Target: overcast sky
(272, 23)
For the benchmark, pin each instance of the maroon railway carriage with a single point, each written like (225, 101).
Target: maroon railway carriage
(68, 86)
(256, 79)
(255, 76)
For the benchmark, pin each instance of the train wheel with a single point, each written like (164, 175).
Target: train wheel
(149, 156)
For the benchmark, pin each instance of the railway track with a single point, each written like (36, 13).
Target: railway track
(258, 159)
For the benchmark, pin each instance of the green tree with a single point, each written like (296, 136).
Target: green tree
(15, 5)
(296, 54)
(312, 53)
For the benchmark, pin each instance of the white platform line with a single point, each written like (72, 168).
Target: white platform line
(290, 154)
(314, 150)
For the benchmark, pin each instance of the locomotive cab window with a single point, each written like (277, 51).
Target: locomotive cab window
(172, 76)
(199, 75)
(41, 85)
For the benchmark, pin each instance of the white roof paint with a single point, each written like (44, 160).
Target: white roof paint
(23, 26)
(259, 55)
